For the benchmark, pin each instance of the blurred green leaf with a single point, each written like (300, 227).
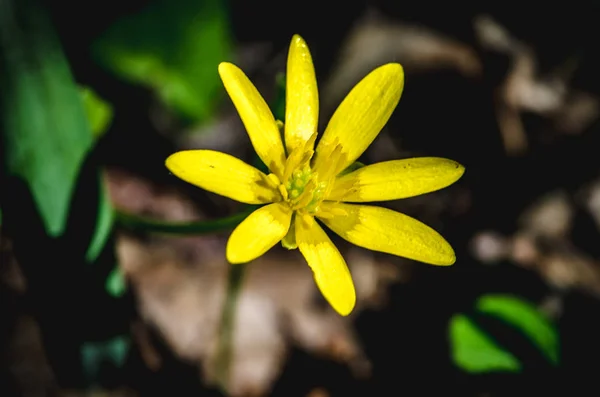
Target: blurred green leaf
(173, 48)
(476, 352)
(96, 354)
(115, 283)
(99, 112)
(52, 171)
(46, 134)
(105, 220)
(525, 317)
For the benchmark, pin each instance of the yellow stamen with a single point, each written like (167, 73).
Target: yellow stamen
(283, 191)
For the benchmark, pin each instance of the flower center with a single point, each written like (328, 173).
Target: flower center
(306, 181)
(304, 190)
(305, 184)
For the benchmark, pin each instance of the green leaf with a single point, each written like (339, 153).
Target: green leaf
(476, 352)
(95, 354)
(104, 222)
(99, 112)
(46, 133)
(525, 317)
(58, 206)
(173, 48)
(115, 283)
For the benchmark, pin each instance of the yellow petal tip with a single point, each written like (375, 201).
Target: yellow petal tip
(460, 170)
(233, 256)
(346, 307)
(394, 68)
(169, 161)
(447, 258)
(455, 171)
(451, 261)
(297, 39)
(173, 162)
(223, 66)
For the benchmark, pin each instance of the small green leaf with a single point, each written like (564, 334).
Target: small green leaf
(99, 112)
(115, 283)
(475, 352)
(173, 48)
(527, 318)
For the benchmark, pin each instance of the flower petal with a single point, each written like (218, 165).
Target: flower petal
(330, 271)
(301, 96)
(256, 116)
(384, 230)
(260, 231)
(362, 114)
(392, 180)
(223, 174)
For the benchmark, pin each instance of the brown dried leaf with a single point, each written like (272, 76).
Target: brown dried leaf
(376, 40)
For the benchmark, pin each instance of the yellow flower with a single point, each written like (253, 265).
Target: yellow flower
(305, 183)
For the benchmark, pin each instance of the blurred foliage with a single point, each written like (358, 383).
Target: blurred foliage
(527, 319)
(115, 283)
(96, 355)
(477, 351)
(173, 48)
(103, 224)
(99, 112)
(51, 171)
(474, 351)
(46, 134)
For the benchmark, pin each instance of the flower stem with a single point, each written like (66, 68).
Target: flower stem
(142, 224)
(224, 357)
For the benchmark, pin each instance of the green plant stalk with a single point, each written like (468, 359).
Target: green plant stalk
(234, 283)
(224, 356)
(142, 224)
